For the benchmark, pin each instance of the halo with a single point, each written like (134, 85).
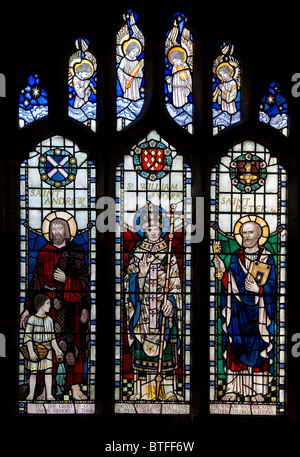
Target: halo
(177, 48)
(128, 42)
(69, 218)
(224, 64)
(251, 218)
(88, 62)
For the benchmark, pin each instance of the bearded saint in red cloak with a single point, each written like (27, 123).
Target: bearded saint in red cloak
(62, 274)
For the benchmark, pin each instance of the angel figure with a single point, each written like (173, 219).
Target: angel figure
(130, 70)
(82, 82)
(226, 70)
(180, 84)
(179, 68)
(227, 90)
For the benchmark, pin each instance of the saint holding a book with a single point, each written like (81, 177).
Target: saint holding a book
(248, 305)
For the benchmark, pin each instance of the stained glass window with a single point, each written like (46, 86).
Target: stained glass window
(33, 102)
(153, 280)
(57, 280)
(82, 85)
(130, 62)
(226, 89)
(248, 282)
(274, 109)
(179, 48)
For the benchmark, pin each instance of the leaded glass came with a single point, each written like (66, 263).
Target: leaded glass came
(274, 109)
(33, 102)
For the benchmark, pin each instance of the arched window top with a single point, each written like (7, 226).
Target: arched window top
(273, 109)
(33, 102)
(82, 85)
(226, 96)
(179, 50)
(130, 62)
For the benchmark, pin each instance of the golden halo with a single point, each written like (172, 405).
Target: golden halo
(252, 218)
(69, 218)
(89, 63)
(224, 64)
(128, 42)
(177, 48)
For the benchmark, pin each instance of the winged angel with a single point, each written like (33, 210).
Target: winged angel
(179, 53)
(227, 73)
(82, 82)
(130, 46)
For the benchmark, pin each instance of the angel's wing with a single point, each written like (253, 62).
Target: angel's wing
(217, 62)
(172, 39)
(237, 70)
(187, 44)
(89, 56)
(122, 35)
(74, 58)
(135, 31)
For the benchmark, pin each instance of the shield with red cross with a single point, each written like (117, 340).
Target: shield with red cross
(152, 159)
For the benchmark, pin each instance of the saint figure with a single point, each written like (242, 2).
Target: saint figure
(61, 273)
(248, 305)
(154, 311)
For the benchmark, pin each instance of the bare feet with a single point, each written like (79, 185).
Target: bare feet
(43, 395)
(257, 398)
(77, 393)
(229, 397)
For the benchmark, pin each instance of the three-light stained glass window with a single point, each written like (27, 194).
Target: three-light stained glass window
(153, 251)
(248, 282)
(57, 357)
(153, 280)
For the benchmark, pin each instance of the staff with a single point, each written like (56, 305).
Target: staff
(158, 378)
